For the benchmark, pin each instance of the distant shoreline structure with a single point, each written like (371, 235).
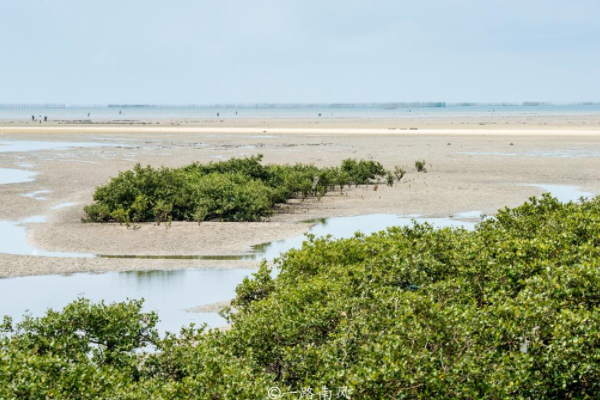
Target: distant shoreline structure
(241, 106)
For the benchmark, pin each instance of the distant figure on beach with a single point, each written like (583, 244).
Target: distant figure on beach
(45, 119)
(217, 114)
(319, 114)
(236, 113)
(88, 114)
(33, 117)
(119, 112)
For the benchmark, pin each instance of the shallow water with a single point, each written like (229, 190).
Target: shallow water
(37, 194)
(63, 205)
(563, 193)
(11, 175)
(170, 293)
(13, 235)
(345, 227)
(337, 228)
(568, 153)
(469, 215)
(13, 240)
(296, 111)
(17, 146)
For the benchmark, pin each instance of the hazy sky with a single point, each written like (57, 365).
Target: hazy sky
(196, 51)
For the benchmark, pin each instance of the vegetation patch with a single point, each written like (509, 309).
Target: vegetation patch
(234, 190)
(510, 310)
(420, 166)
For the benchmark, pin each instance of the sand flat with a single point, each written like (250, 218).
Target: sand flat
(471, 167)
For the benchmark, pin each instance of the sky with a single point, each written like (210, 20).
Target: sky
(240, 51)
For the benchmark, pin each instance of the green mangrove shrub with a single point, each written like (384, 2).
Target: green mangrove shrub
(420, 166)
(240, 189)
(510, 310)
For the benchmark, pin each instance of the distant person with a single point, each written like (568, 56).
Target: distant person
(319, 114)
(45, 119)
(217, 114)
(88, 114)
(119, 112)
(33, 117)
(236, 113)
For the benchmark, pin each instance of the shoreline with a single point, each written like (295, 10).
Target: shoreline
(471, 167)
(401, 131)
(18, 266)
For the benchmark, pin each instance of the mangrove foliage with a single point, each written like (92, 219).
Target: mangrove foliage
(240, 189)
(510, 310)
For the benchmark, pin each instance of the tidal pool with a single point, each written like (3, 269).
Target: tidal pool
(13, 240)
(336, 227)
(345, 227)
(63, 205)
(564, 193)
(13, 235)
(469, 215)
(11, 175)
(38, 194)
(18, 146)
(566, 153)
(170, 293)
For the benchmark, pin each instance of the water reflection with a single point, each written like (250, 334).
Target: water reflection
(18, 146)
(63, 205)
(169, 293)
(345, 227)
(564, 193)
(337, 228)
(567, 153)
(13, 240)
(13, 235)
(10, 175)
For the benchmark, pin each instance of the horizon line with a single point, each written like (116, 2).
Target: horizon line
(267, 105)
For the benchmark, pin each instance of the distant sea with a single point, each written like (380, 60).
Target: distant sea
(244, 111)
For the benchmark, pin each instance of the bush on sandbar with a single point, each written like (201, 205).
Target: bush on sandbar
(234, 190)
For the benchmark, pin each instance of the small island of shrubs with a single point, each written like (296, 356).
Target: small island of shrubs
(240, 189)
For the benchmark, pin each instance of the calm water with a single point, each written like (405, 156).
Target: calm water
(564, 193)
(17, 146)
(568, 153)
(345, 227)
(13, 240)
(13, 234)
(169, 293)
(129, 113)
(11, 175)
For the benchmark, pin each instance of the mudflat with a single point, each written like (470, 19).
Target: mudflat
(474, 162)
